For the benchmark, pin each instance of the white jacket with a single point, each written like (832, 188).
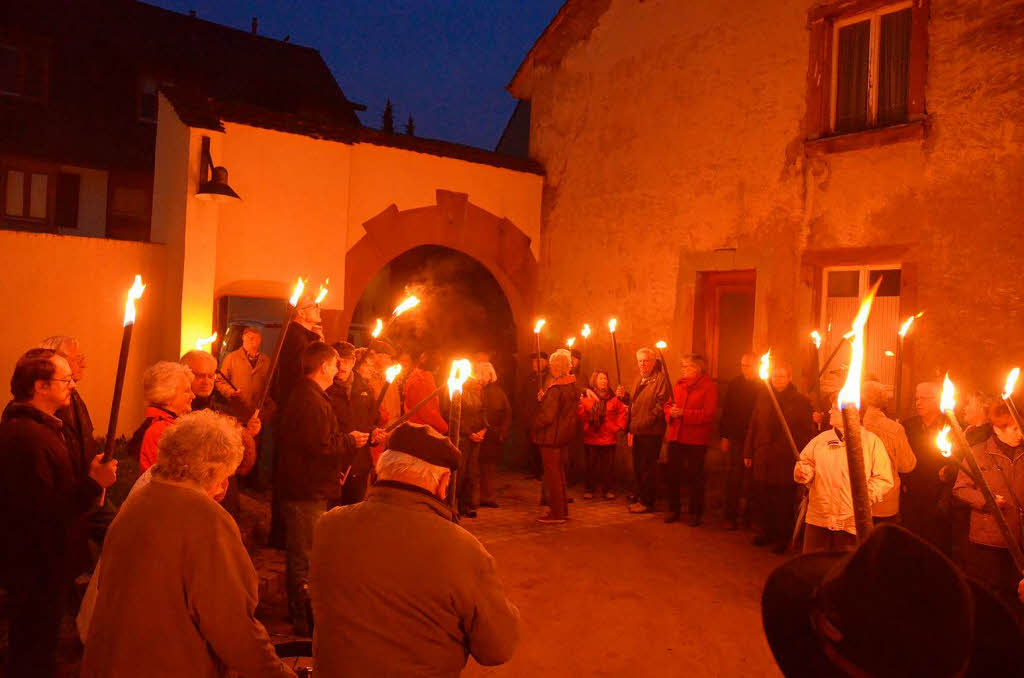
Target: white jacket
(830, 503)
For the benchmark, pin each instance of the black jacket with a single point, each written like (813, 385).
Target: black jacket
(497, 413)
(555, 422)
(738, 408)
(354, 410)
(767, 443)
(40, 495)
(289, 364)
(313, 449)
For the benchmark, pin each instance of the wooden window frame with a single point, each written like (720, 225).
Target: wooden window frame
(29, 168)
(824, 21)
(863, 284)
(22, 47)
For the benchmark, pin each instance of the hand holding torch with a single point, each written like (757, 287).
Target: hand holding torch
(293, 302)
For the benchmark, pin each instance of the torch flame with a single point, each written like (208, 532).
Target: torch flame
(300, 287)
(612, 324)
(661, 345)
(585, 331)
(411, 301)
(1011, 382)
(460, 372)
(765, 369)
(378, 329)
(816, 338)
(538, 325)
(943, 442)
(206, 342)
(890, 354)
(850, 393)
(134, 293)
(323, 291)
(948, 401)
(391, 373)
(570, 341)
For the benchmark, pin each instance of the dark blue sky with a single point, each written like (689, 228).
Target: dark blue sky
(444, 61)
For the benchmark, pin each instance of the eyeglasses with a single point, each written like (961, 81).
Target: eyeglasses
(68, 381)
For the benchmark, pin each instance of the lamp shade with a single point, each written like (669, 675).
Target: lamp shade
(217, 187)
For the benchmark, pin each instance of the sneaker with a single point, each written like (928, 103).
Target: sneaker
(672, 517)
(548, 519)
(609, 495)
(588, 495)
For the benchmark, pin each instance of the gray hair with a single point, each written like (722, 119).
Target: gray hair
(160, 381)
(695, 358)
(202, 447)
(196, 354)
(485, 373)
(405, 468)
(646, 351)
(57, 343)
(560, 360)
(874, 393)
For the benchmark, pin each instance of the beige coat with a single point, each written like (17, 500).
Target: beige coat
(901, 457)
(398, 589)
(176, 594)
(247, 379)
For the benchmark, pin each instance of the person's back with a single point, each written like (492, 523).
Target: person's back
(400, 590)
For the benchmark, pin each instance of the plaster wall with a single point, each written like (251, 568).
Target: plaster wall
(92, 201)
(672, 139)
(77, 286)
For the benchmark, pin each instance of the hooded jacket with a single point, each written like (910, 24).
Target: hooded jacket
(698, 399)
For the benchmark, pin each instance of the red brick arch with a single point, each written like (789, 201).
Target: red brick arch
(458, 224)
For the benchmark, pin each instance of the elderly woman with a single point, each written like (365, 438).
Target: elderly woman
(177, 590)
(688, 417)
(498, 419)
(168, 390)
(874, 398)
(603, 416)
(554, 427)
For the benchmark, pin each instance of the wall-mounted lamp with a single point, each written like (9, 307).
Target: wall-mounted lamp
(213, 181)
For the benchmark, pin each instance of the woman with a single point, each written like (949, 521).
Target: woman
(603, 416)
(1001, 459)
(689, 415)
(168, 390)
(554, 427)
(498, 418)
(177, 597)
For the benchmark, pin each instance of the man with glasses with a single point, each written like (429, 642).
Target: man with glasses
(78, 428)
(41, 498)
(928, 488)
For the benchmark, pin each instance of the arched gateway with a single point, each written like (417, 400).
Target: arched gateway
(458, 224)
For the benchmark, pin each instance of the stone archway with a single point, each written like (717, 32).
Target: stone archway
(458, 224)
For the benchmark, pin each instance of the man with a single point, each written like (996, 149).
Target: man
(314, 452)
(824, 468)
(928, 488)
(371, 366)
(554, 428)
(533, 383)
(736, 413)
(40, 500)
(874, 398)
(418, 386)
(769, 456)
(207, 397)
(78, 429)
(646, 426)
(398, 588)
(353, 403)
(247, 368)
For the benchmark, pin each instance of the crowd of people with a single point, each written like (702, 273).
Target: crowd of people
(360, 500)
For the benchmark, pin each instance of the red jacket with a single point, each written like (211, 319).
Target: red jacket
(418, 386)
(613, 422)
(161, 420)
(697, 398)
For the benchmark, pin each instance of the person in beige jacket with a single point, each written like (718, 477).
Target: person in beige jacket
(901, 457)
(177, 591)
(247, 368)
(398, 588)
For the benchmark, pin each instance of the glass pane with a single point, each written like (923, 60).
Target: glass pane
(14, 201)
(843, 284)
(853, 46)
(8, 69)
(894, 67)
(890, 286)
(37, 197)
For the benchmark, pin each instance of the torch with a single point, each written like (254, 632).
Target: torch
(1011, 382)
(765, 372)
(412, 301)
(570, 342)
(948, 404)
(537, 326)
(661, 346)
(204, 343)
(293, 302)
(389, 376)
(831, 356)
(414, 409)
(460, 372)
(377, 329)
(816, 340)
(612, 326)
(134, 293)
(848, 402)
(901, 337)
(585, 333)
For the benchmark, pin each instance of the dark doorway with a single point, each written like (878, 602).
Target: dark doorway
(724, 319)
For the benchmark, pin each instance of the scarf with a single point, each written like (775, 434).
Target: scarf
(600, 409)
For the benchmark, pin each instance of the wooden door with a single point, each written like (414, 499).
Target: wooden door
(725, 320)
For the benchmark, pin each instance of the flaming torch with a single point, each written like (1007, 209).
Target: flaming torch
(585, 333)
(765, 372)
(410, 302)
(460, 372)
(537, 327)
(848, 402)
(134, 293)
(661, 346)
(293, 302)
(831, 356)
(1011, 383)
(378, 329)
(948, 405)
(390, 374)
(570, 342)
(816, 340)
(613, 324)
(901, 337)
(204, 343)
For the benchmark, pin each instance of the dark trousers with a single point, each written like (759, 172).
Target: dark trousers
(554, 480)
(645, 467)
(994, 566)
(534, 465)
(734, 472)
(299, 519)
(686, 469)
(772, 511)
(924, 517)
(599, 460)
(36, 600)
(817, 538)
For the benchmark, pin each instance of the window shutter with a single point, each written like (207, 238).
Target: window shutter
(66, 212)
(918, 60)
(819, 76)
(894, 66)
(854, 45)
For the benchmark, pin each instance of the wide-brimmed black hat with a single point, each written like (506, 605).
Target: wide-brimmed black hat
(895, 607)
(424, 442)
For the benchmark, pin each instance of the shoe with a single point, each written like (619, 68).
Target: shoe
(588, 495)
(759, 540)
(693, 522)
(489, 504)
(609, 495)
(729, 525)
(672, 517)
(548, 519)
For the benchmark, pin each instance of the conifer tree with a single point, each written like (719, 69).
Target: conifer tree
(387, 122)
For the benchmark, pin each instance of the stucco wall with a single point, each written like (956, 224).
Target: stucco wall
(674, 130)
(77, 286)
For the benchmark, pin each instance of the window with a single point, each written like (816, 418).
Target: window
(26, 194)
(23, 71)
(844, 288)
(867, 70)
(65, 214)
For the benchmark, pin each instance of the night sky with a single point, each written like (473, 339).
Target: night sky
(444, 61)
